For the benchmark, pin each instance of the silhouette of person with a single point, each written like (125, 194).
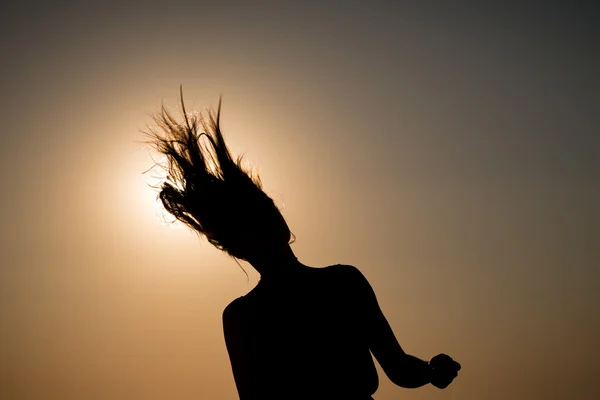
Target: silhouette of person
(302, 332)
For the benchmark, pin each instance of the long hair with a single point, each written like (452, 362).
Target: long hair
(206, 188)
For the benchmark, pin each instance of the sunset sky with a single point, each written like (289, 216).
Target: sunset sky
(449, 151)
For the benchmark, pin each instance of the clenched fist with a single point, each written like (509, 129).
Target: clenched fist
(443, 370)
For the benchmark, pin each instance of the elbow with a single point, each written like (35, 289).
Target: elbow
(405, 380)
(407, 384)
(409, 373)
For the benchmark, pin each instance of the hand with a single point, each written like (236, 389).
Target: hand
(443, 370)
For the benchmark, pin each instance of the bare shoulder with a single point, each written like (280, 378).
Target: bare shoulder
(340, 269)
(349, 277)
(348, 273)
(233, 310)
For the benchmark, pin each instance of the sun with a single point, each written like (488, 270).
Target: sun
(151, 182)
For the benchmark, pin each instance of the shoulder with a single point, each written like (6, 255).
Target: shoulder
(352, 278)
(343, 271)
(340, 268)
(347, 276)
(233, 310)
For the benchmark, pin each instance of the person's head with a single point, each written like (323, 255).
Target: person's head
(209, 191)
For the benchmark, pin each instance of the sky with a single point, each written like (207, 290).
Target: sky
(448, 150)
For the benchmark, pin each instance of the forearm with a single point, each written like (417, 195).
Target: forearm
(411, 373)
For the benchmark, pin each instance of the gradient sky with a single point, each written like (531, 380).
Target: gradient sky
(449, 151)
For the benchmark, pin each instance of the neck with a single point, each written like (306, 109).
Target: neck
(277, 264)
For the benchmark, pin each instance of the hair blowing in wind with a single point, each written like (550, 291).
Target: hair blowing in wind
(206, 188)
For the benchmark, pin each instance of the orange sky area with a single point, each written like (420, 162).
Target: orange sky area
(450, 153)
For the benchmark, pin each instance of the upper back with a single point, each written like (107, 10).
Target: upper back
(307, 329)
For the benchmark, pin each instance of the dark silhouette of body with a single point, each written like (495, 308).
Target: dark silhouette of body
(305, 334)
(302, 332)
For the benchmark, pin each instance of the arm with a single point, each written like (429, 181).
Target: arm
(234, 340)
(403, 369)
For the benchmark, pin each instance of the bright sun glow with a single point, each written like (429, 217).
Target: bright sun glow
(152, 180)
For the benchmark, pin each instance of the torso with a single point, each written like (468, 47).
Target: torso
(308, 334)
